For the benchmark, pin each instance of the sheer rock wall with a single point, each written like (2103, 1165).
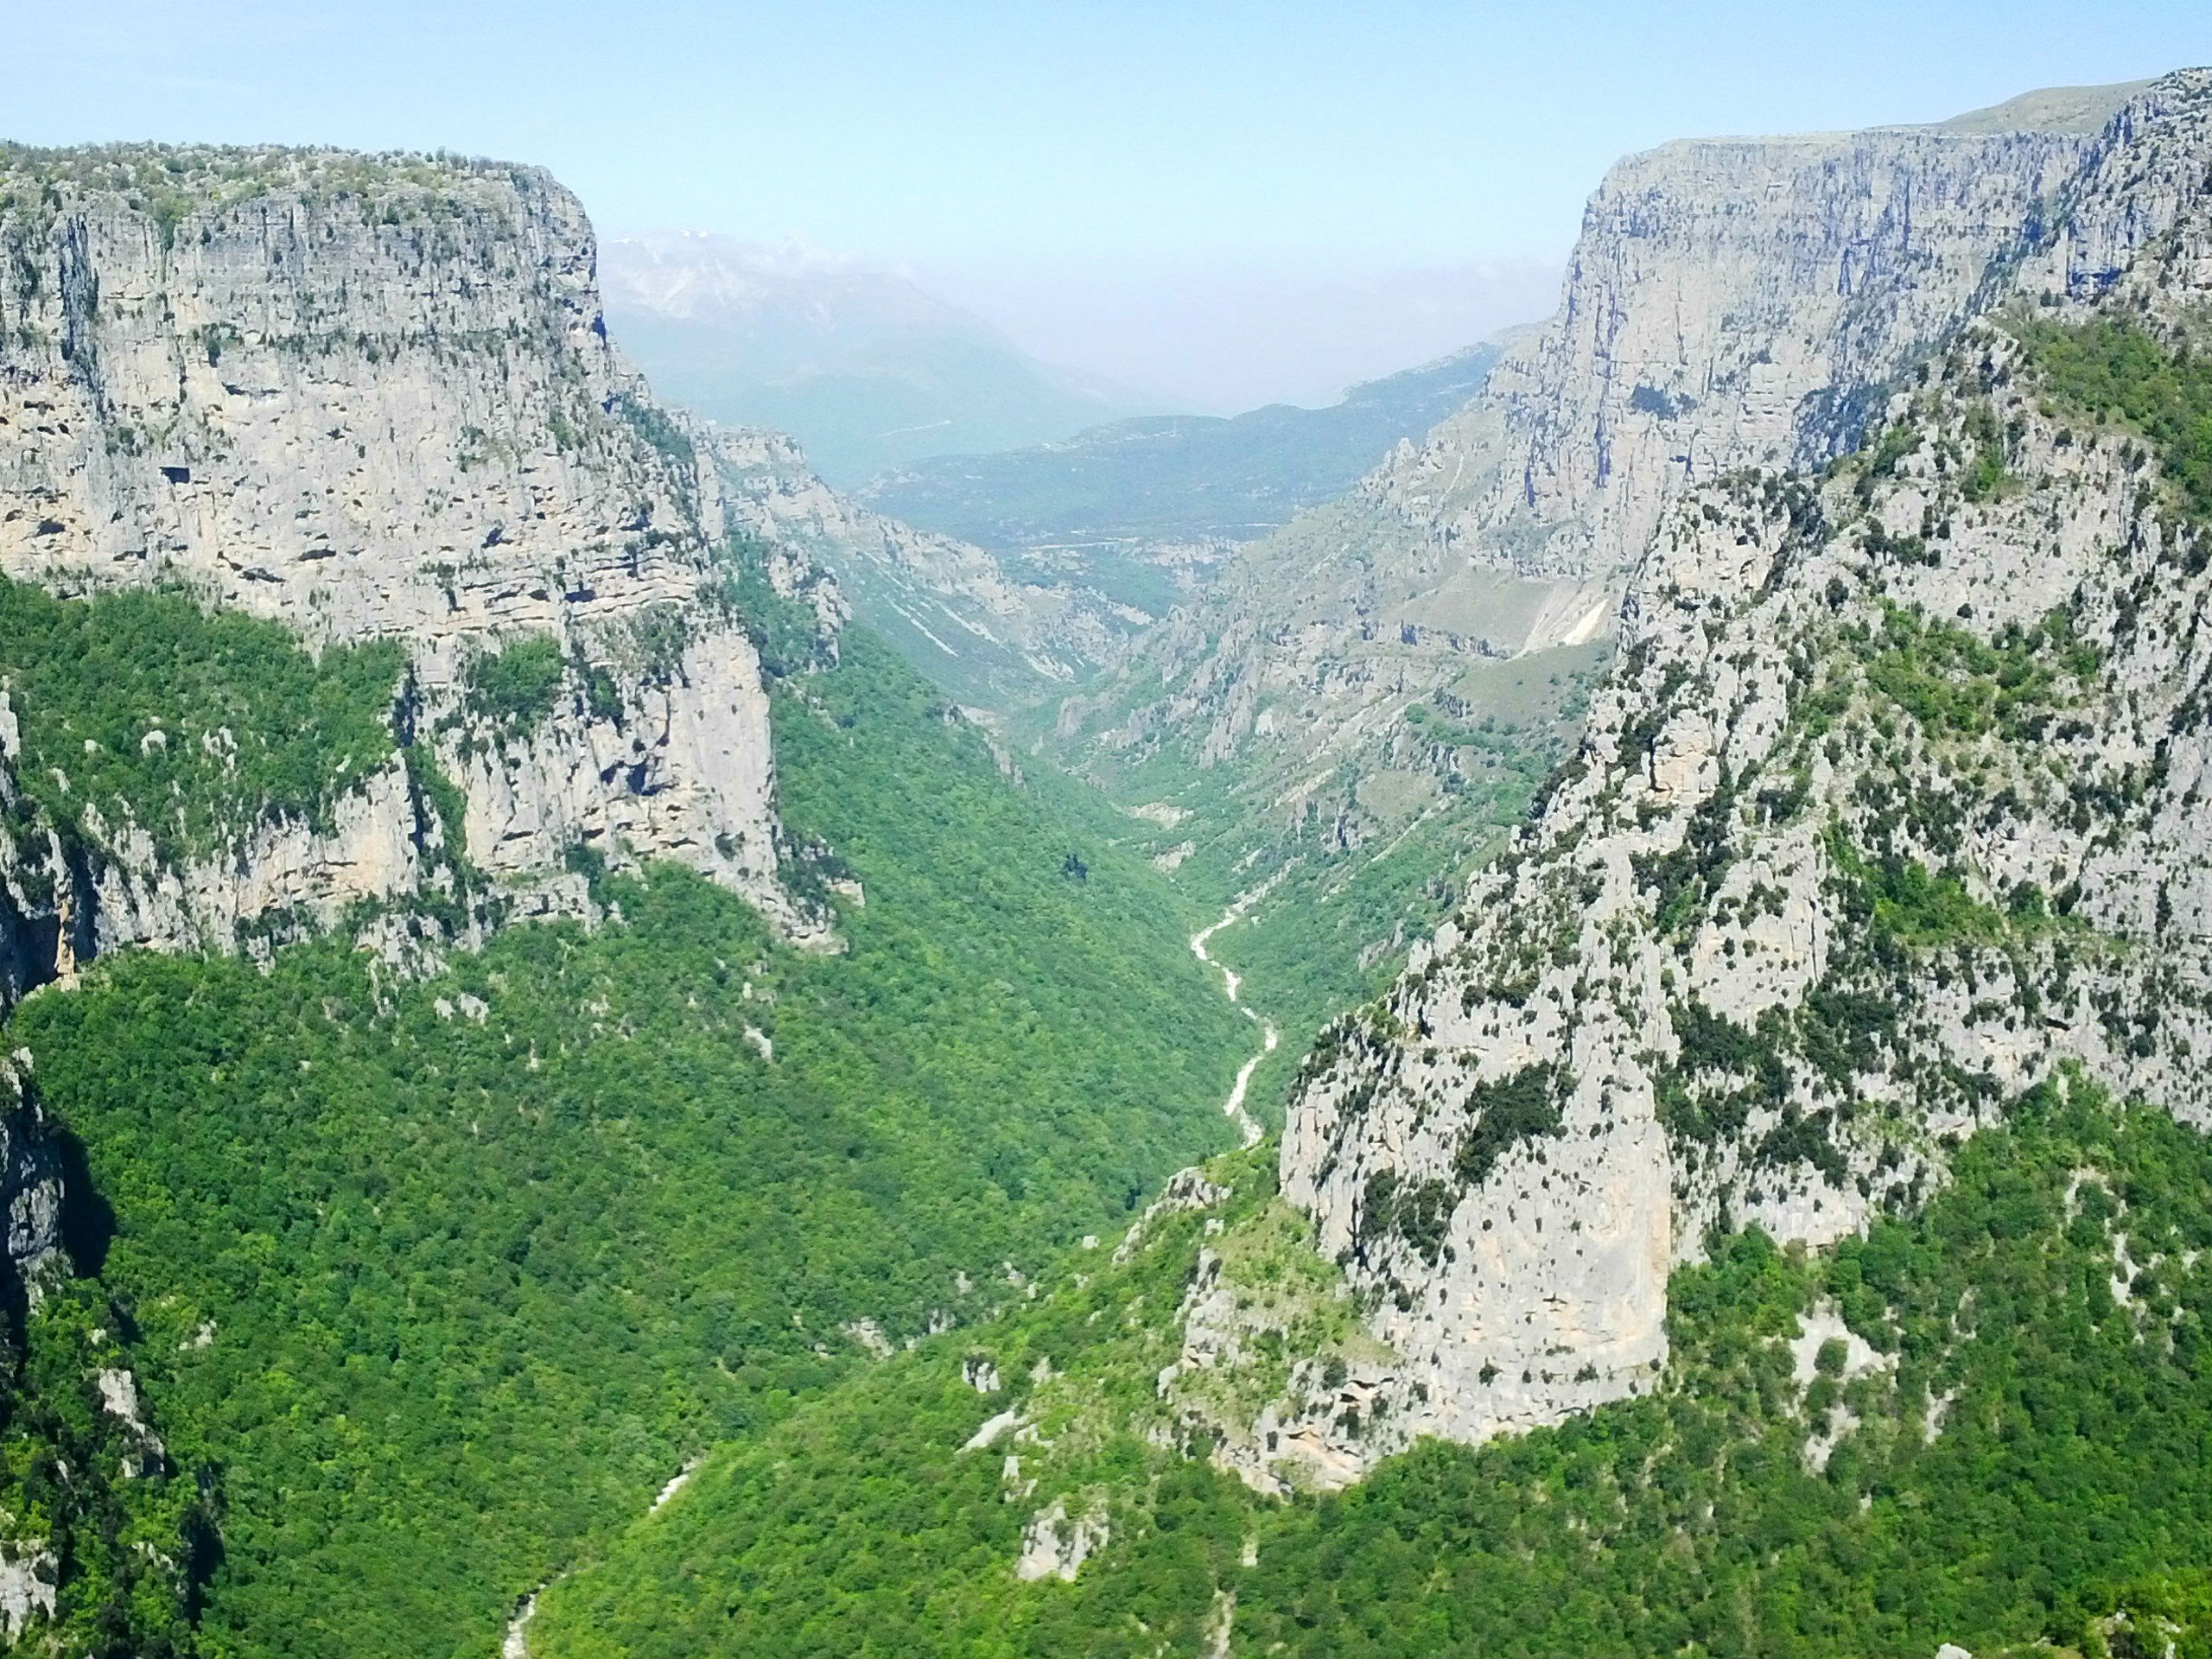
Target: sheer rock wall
(1892, 806)
(371, 398)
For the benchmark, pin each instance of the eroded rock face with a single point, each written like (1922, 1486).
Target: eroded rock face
(1055, 1544)
(29, 1576)
(30, 1183)
(70, 903)
(1892, 806)
(1730, 302)
(373, 398)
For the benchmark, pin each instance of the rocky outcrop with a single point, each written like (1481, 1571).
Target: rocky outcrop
(373, 398)
(30, 1185)
(1891, 806)
(27, 1575)
(1055, 1544)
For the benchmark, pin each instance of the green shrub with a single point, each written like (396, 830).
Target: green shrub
(514, 690)
(1522, 1105)
(1957, 685)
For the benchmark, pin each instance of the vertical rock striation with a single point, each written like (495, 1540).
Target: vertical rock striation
(371, 398)
(30, 1185)
(1891, 806)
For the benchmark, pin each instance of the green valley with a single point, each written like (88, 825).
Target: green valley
(430, 1282)
(1561, 1010)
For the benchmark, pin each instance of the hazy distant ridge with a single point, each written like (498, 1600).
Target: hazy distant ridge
(864, 367)
(1186, 478)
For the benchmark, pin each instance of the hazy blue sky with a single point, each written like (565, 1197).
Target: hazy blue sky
(1035, 157)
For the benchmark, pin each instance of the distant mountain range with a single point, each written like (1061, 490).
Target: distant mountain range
(865, 368)
(1057, 534)
(1177, 478)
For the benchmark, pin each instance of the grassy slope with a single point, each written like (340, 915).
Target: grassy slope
(2071, 1467)
(473, 1288)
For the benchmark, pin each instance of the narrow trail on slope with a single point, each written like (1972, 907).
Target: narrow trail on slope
(517, 1646)
(1233, 1108)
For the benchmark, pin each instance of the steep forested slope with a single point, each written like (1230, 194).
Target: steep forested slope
(1983, 1422)
(425, 1277)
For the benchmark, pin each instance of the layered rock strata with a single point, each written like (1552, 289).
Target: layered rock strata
(373, 397)
(1892, 806)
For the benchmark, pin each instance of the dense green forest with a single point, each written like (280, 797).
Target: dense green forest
(426, 1283)
(2017, 1453)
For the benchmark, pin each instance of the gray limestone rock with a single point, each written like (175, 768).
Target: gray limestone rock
(1890, 809)
(373, 397)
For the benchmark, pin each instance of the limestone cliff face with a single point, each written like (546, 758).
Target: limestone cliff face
(1730, 302)
(61, 904)
(1735, 302)
(373, 397)
(1892, 806)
